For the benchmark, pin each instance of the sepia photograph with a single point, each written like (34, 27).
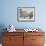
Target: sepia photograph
(26, 14)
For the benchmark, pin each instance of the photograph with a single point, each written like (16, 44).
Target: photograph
(26, 14)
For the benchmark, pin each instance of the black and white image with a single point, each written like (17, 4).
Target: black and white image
(25, 14)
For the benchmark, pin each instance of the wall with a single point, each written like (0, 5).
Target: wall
(8, 13)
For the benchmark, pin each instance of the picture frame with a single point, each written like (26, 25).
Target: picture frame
(26, 14)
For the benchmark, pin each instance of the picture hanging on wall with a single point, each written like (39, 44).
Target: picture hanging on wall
(26, 14)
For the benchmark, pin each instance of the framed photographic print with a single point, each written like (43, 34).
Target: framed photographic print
(26, 14)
